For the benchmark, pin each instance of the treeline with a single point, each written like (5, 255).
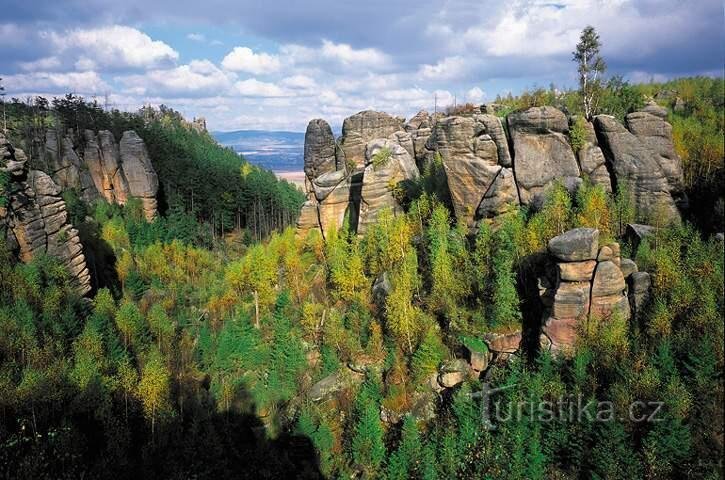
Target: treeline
(697, 115)
(202, 363)
(214, 184)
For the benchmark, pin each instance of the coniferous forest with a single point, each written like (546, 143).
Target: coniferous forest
(219, 343)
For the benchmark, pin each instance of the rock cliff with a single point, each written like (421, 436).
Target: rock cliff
(34, 220)
(490, 170)
(100, 167)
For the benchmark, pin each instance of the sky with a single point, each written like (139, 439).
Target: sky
(275, 65)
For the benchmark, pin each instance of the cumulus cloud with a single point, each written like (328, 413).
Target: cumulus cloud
(113, 47)
(243, 59)
(198, 77)
(196, 37)
(475, 95)
(446, 69)
(339, 54)
(254, 88)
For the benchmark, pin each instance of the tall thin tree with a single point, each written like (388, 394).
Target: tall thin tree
(591, 69)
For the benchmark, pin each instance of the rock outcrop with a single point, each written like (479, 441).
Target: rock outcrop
(585, 280)
(636, 166)
(102, 167)
(388, 164)
(35, 221)
(358, 130)
(542, 153)
(475, 156)
(140, 176)
(489, 170)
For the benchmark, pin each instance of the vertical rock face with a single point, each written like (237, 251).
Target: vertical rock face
(138, 172)
(105, 169)
(472, 149)
(587, 280)
(488, 174)
(359, 129)
(651, 128)
(387, 164)
(591, 160)
(541, 152)
(319, 149)
(35, 220)
(636, 166)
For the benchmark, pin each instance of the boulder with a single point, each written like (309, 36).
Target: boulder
(640, 284)
(358, 130)
(381, 289)
(575, 245)
(139, 173)
(628, 267)
(605, 253)
(331, 212)
(503, 342)
(571, 300)
(542, 152)
(577, 271)
(608, 280)
(319, 149)
(453, 373)
(559, 334)
(637, 167)
(635, 233)
(326, 387)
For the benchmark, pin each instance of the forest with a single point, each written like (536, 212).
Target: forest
(201, 354)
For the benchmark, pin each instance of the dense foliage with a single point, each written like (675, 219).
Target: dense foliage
(184, 158)
(279, 359)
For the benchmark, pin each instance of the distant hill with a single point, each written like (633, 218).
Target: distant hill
(274, 150)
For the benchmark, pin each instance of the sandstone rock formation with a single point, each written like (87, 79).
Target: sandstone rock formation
(541, 152)
(102, 168)
(591, 159)
(35, 220)
(587, 280)
(387, 164)
(488, 173)
(140, 176)
(474, 153)
(358, 130)
(636, 166)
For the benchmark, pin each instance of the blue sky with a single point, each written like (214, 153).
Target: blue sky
(275, 65)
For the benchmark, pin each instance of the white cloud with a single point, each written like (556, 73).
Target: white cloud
(254, 88)
(198, 77)
(299, 82)
(446, 69)
(340, 54)
(45, 64)
(115, 46)
(475, 95)
(87, 83)
(243, 59)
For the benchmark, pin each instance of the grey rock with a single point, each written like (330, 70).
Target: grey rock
(138, 172)
(542, 152)
(575, 245)
(319, 149)
(628, 267)
(358, 130)
(637, 167)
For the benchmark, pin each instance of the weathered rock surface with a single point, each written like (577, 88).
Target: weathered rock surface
(387, 165)
(542, 153)
(471, 149)
(637, 167)
(140, 176)
(359, 129)
(319, 149)
(575, 245)
(35, 220)
(453, 373)
(591, 285)
(591, 160)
